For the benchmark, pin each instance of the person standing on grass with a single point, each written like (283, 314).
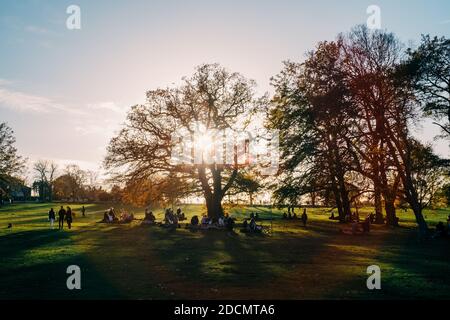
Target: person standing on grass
(61, 216)
(69, 217)
(304, 217)
(51, 217)
(83, 211)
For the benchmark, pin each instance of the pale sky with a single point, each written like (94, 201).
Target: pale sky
(65, 92)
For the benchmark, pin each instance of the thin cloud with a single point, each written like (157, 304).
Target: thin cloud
(21, 101)
(108, 106)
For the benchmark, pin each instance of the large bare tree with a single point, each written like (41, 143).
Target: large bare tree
(213, 99)
(45, 171)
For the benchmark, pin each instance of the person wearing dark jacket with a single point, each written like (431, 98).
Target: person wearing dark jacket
(69, 217)
(304, 217)
(51, 217)
(61, 216)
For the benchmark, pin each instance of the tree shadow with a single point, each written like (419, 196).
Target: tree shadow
(27, 275)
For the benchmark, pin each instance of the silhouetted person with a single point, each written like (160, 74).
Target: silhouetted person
(83, 211)
(51, 217)
(245, 225)
(304, 217)
(194, 221)
(149, 217)
(366, 225)
(229, 223)
(69, 217)
(61, 216)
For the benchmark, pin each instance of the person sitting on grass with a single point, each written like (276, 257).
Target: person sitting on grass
(205, 221)
(229, 223)
(254, 227)
(221, 222)
(175, 221)
(285, 215)
(168, 219)
(194, 221)
(126, 217)
(180, 215)
(149, 217)
(112, 215)
(105, 217)
(245, 227)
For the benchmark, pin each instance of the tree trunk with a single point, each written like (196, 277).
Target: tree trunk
(379, 219)
(313, 199)
(214, 207)
(337, 198)
(391, 218)
(214, 197)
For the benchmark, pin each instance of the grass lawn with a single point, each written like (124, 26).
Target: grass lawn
(141, 262)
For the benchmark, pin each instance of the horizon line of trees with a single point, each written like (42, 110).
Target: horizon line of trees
(345, 117)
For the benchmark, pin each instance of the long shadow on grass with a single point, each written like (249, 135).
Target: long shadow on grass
(152, 262)
(34, 264)
(409, 269)
(17, 242)
(215, 259)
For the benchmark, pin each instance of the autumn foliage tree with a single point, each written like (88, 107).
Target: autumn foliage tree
(213, 99)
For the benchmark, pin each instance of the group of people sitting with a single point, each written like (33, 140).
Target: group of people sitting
(149, 217)
(303, 217)
(110, 217)
(171, 218)
(252, 226)
(358, 227)
(223, 222)
(355, 218)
